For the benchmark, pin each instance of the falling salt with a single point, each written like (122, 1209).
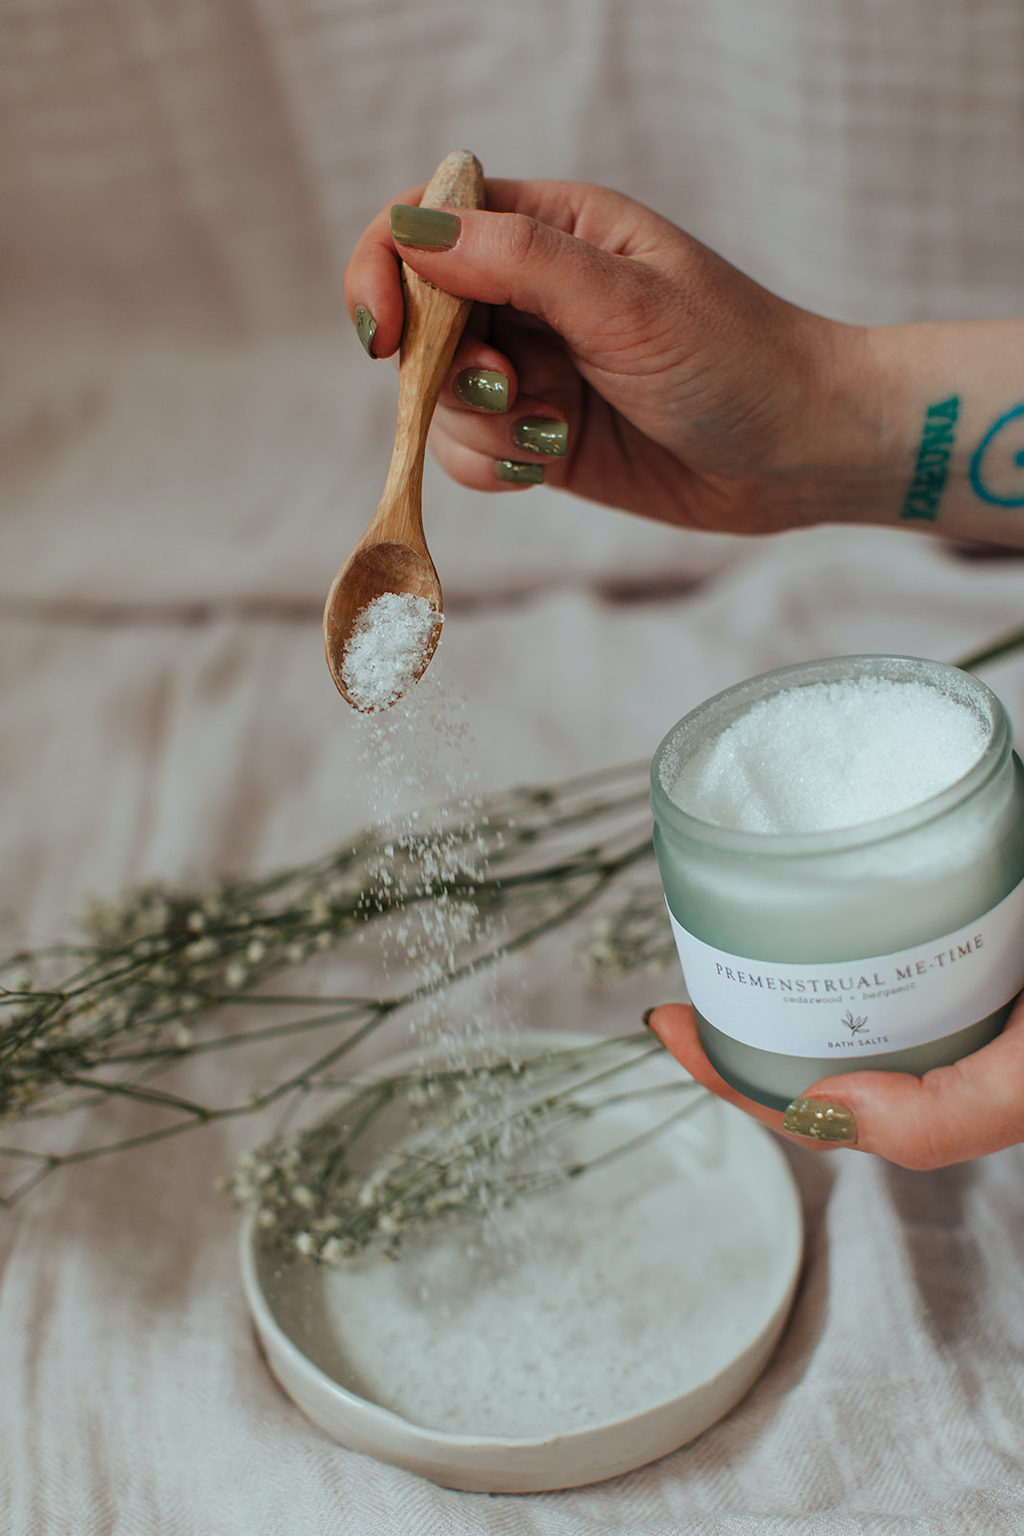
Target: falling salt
(390, 645)
(417, 762)
(829, 755)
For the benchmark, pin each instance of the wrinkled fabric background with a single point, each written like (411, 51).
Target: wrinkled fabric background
(190, 441)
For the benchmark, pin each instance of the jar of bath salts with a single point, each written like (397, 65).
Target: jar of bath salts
(841, 845)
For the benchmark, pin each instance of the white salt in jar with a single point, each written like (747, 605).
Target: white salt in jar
(842, 849)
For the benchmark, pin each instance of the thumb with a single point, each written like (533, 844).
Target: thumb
(606, 306)
(971, 1108)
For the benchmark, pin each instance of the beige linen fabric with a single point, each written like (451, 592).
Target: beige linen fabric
(180, 167)
(190, 439)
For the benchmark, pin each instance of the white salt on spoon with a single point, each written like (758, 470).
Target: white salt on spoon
(391, 640)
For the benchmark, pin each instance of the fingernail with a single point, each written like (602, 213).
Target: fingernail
(820, 1120)
(366, 328)
(516, 473)
(542, 434)
(646, 1016)
(482, 388)
(432, 229)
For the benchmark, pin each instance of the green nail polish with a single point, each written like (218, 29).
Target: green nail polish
(432, 229)
(542, 434)
(516, 473)
(482, 388)
(820, 1120)
(366, 328)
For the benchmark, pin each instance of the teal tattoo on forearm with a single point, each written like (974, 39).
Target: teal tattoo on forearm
(998, 461)
(932, 468)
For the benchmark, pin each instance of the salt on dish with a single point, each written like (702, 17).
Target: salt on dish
(594, 1303)
(573, 1337)
(391, 642)
(830, 755)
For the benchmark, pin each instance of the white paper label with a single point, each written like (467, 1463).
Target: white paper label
(861, 1007)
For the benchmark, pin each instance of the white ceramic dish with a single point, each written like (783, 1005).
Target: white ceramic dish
(738, 1269)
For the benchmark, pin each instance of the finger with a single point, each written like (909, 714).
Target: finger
(610, 220)
(482, 471)
(951, 1114)
(373, 283)
(676, 1027)
(532, 429)
(514, 451)
(532, 440)
(481, 378)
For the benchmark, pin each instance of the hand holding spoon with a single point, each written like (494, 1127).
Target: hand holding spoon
(392, 555)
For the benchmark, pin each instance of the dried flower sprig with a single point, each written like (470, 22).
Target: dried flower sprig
(162, 975)
(468, 1140)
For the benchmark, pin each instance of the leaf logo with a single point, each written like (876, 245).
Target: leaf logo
(854, 1025)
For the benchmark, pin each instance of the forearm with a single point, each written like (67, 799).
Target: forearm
(916, 426)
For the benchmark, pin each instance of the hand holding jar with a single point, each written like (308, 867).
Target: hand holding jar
(842, 849)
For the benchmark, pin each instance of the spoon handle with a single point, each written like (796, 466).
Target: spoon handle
(434, 321)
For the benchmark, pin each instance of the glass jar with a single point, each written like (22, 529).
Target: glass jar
(895, 944)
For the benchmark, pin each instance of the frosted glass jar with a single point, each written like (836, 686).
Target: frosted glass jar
(895, 944)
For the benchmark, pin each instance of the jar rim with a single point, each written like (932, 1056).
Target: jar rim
(724, 707)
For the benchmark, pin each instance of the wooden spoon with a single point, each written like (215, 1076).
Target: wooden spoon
(392, 555)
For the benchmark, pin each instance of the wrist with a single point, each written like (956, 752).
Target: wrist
(832, 448)
(844, 453)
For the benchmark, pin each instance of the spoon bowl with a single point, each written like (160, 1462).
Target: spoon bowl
(371, 571)
(392, 555)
